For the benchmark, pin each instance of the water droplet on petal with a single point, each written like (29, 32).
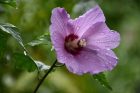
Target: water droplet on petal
(78, 28)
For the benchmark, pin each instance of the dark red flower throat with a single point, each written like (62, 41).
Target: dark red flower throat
(73, 45)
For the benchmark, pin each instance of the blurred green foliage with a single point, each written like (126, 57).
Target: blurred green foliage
(32, 17)
(8, 2)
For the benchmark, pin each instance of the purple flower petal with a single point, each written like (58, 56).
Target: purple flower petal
(90, 62)
(85, 21)
(99, 27)
(108, 57)
(107, 52)
(104, 40)
(59, 21)
(60, 27)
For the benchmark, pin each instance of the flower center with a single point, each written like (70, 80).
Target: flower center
(73, 45)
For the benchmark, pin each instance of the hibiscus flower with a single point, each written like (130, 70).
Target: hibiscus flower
(84, 44)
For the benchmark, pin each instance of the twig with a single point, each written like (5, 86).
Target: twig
(41, 81)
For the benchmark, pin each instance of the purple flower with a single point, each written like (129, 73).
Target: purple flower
(84, 44)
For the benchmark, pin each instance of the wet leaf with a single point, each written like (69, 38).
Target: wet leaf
(41, 66)
(24, 62)
(102, 79)
(20, 58)
(12, 30)
(3, 39)
(44, 39)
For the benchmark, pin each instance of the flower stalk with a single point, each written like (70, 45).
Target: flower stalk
(41, 81)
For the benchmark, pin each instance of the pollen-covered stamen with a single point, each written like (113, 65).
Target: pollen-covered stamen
(82, 43)
(73, 45)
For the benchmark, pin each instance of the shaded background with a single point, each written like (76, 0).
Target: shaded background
(32, 17)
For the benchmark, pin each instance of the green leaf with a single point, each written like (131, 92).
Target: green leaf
(12, 30)
(24, 62)
(3, 39)
(44, 39)
(41, 66)
(99, 1)
(9, 2)
(102, 79)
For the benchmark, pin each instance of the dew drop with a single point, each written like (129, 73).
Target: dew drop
(78, 28)
(8, 57)
(16, 7)
(52, 48)
(107, 49)
(103, 85)
(25, 53)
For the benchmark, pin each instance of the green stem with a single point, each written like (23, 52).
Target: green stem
(41, 81)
